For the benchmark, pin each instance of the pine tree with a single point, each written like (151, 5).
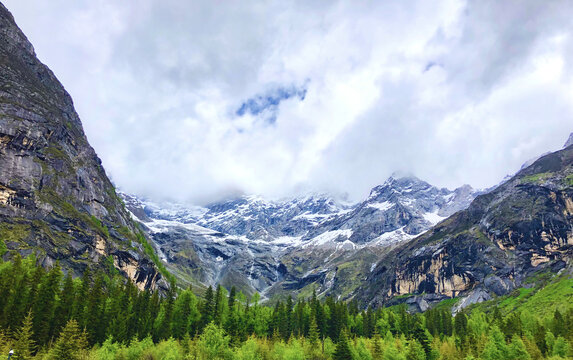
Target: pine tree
(182, 314)
(377, 347)
(558, 328)
(415, 351)
(517, 349)
(65, 305)
(94, 312)
(70, 344)
(217, 307)
(232, 295)
(46, 304)
(560, 347)
(313, 336)
(342, 351)
(25, 346)
(207, 307)
(539, 338)
(78, 312)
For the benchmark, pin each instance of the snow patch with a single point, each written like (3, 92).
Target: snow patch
(383, 206)
(392, 237)
(433, 217)
(328, 237)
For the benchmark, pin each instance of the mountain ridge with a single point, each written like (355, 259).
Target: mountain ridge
(260, 244)
(55, 199)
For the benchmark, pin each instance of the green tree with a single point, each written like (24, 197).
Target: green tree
(517, 349)
(25, 345)
(560, 347)
(391, 353)
(45, 305)
(213, 344)
(377, 352)
(415, 351)
(342, 351)
(65, 305)
(313, 336)
(71, 343)
(496, 348)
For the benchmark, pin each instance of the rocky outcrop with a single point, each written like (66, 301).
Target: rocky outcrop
(55, 198)
(522, 227)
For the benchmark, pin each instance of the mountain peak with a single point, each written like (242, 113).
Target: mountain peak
(569, 141)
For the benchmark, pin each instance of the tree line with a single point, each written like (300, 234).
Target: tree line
(46, 314)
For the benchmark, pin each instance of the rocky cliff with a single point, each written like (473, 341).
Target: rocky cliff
(522, 227)
(55, 198)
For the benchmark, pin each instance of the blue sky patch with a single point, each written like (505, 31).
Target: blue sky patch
(267, 105)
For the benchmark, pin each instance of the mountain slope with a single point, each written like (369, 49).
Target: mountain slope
(519, 228)
(55, 198)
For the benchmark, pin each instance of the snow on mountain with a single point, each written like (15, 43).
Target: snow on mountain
(260, 245)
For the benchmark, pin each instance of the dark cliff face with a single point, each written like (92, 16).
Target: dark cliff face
(55, 198)
(522, 227)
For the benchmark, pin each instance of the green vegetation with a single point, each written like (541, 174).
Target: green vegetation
(537, 178)
(569, 180)
(13, 232)
(543, 297)
(3, 247)
(55, 152)
(44, 315)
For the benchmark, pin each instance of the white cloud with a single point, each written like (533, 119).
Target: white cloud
(454, 92)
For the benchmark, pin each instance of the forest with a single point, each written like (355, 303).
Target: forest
(45, 314)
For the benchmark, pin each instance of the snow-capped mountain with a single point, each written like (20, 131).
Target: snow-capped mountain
(274, 247)
(258, 218)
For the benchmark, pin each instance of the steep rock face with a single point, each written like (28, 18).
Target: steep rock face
(55, 198)
(521, 227)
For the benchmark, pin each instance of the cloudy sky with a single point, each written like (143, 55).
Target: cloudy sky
(196, 100)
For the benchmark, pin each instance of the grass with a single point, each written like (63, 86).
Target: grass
(556, 295)
(14, 232)
(447, 304)
(517, 298)
(537, 178)
(55, 153)
(569, 180)
(3, 248)
(541, 300)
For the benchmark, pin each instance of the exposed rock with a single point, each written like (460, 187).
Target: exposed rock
(521, 227)
(55, 198)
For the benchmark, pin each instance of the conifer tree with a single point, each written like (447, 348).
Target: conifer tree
(65, 305)
(377, 347)
(517, 349)
(70, 344)
(342, 351)
(78, 311)
(232, 295)
(313, 336)
(561, 347)
(94, 312)
(415, 351)
(25, 346)
(45, 305)
(207, 307)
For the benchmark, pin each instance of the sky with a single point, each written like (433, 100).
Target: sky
(200, 100)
